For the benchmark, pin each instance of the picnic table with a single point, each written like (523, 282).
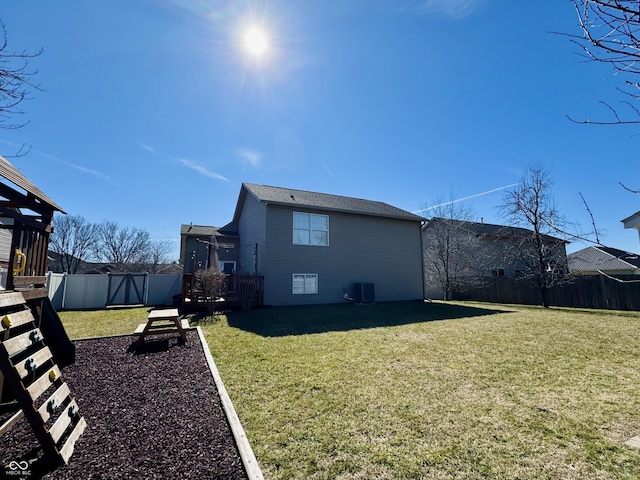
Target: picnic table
(161, 321)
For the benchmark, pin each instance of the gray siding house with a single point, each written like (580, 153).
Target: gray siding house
(632, 221)
(465, 251)
(312, 247)
(200, 244)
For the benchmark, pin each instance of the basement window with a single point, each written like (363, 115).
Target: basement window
(305, 283)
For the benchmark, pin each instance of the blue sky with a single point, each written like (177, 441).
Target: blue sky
(152, 113)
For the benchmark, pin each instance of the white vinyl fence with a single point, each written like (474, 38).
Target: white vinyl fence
(86, 292)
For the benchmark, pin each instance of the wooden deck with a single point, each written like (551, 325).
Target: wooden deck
(246, 291)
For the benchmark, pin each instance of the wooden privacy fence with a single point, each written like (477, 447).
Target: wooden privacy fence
(588, 291)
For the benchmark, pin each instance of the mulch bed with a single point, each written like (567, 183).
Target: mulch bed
(152, 412)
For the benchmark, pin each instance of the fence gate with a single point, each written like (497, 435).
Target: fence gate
(126, 289)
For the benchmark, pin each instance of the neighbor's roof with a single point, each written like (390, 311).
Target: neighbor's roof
(202, 230)
(324, 201)
(597, 258)
(632, 221)
(491, 230)
(12, 174)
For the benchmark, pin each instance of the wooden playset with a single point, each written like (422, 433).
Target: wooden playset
(33, 343)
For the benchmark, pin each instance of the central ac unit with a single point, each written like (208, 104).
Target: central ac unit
(363, 293)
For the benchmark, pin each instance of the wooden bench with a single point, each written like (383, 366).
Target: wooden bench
(162, 321)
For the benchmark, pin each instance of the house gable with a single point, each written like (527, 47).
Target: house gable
(632, 221)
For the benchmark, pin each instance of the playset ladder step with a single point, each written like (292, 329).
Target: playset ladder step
(30, 371)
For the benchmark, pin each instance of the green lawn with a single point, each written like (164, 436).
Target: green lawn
(100, 323)
(434, 391)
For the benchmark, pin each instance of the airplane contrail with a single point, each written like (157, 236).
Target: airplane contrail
(466, 198)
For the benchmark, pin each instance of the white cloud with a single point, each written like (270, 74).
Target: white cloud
(422, 210)
(249, 158)
(147, 147)
(201, 170)
(326, 168)
(80, 168)
(453, 8)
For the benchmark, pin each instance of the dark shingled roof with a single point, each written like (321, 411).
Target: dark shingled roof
(202, 231)
(596, 258)
(323, 201)
(491, 230)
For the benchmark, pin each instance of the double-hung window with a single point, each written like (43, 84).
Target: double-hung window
(305, 283)
(310, 229)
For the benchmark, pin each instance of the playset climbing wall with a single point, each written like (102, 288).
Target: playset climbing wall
(35, 381)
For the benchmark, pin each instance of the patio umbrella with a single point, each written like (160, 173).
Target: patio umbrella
(216, 261)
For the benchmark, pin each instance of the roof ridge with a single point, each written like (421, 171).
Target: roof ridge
(329, 201)
(319, 193)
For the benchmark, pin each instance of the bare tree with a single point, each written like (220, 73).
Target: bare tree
(610, 34)
(542, 253)
(157, 256)
(211, 285)
(15, 81)
(73, 239)
(446, 245)
(126, 249)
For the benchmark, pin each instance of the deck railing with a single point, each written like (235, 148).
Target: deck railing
(246, 291)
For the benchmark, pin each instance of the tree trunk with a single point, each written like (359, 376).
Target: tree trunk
(544, 293)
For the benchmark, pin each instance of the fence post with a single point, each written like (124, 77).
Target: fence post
(64, 291)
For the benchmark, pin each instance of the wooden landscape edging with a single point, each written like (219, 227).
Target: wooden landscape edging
(246, 453)
(633, 442)
(247, 456)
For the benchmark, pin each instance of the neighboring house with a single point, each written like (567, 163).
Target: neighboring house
(610, 261)
(633, 222)
(465, 251)
(312, 247)
(199, 245)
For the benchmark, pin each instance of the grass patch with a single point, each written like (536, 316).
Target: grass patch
(100, 323)
(434, 391)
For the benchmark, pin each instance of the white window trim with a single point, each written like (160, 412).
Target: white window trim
(293, 292)
(222, 262)
(293, 229)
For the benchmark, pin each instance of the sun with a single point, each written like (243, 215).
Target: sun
(256, 42)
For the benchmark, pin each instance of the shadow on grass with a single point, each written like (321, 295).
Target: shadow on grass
(304, 320)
